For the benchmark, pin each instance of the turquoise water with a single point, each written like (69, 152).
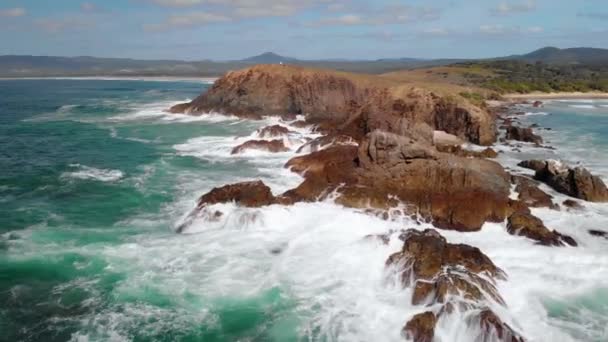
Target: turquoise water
(87, 166)
(95, 177)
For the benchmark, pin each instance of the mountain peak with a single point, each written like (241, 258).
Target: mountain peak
(268, 57)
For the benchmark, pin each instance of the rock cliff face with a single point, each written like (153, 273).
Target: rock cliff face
(353, 104)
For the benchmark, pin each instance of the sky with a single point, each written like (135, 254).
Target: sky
(306, 29)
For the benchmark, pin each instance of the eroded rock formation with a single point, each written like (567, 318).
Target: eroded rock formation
(274, 146)
(354, 104)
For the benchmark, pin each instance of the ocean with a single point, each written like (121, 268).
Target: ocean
(95, 177)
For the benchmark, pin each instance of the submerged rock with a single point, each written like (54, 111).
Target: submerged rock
(598, 233)
(273, 146)
(530, 226)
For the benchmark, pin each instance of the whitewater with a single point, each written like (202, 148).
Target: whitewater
(89, 250)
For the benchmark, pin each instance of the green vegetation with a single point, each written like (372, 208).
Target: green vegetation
(511, 76)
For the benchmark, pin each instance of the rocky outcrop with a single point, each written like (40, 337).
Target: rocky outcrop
(274, 131)
(522, 134)
(455, 192)
(576, 182)
(273, 146)
(530, 226)
(453, 279)
(354, 104)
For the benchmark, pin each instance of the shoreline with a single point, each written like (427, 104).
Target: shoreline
(551, 96)
(119, 78)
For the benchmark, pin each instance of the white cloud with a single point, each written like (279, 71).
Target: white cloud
(88, 7)
(502, 30)
(398, 14)
(346, 19)
(177, 3)
(13, 12)
(58, 25)
(507, 8)
(188, 20)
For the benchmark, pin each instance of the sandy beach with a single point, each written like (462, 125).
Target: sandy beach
(563, 95)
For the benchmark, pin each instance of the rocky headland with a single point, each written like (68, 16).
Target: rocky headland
(392, 149)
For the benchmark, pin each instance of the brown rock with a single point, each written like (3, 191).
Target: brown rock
(353, 104)
(492, 328)
(576, 182)
(459, 151)
(537, 104)
(533, 164)
(458, 276)
(270, 146)
(572, 204)
(530, 194)
(427, 259)
(248, 194)
(274, 131)
(326, 141)
(421, 328)
(456, 193)
(523, 134)
(532, 227)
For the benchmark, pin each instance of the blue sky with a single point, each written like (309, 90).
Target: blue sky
(233, 29)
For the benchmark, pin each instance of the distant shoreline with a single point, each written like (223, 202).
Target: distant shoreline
(119, 78)
(562, 95)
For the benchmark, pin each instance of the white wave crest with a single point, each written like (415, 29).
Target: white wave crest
(84, 172)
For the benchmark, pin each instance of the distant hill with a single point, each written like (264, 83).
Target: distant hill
(38, 66)
(553, 55)
(268, 58)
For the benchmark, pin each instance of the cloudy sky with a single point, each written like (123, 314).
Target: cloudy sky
(233, 29)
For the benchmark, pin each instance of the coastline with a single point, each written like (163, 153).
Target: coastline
(119, 78)
(561, 95)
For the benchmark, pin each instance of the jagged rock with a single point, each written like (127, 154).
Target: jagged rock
(492, 328)
(576, 182)
(421, 328)
(530, 194)
(523, 134)
(530, 226)
(353, 104)
(273, 146)
(274, 131)
(533, 164)
(459, 277)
